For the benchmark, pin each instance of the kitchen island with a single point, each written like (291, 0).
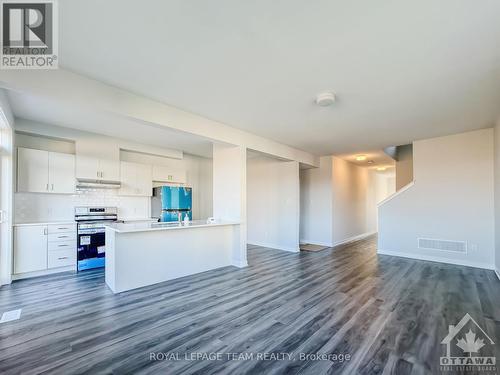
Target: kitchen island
(142, 254)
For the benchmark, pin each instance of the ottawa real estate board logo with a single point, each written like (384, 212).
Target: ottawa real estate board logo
(29, 34)
(468, 348)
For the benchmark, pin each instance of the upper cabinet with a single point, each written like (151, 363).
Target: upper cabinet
(136, 179)
(95, 169)
(45, 172)
(61, 173)
(97, 160)
(168, 174)
(32, 170)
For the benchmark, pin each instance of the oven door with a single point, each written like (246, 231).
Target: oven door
(91, 248)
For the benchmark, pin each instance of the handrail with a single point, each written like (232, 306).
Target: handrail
(400, 191)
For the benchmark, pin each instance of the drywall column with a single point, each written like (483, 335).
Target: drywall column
(273, 200)
(229, 189)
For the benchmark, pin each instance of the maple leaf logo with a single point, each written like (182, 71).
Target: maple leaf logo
(470, 344)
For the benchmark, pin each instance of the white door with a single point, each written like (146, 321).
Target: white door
(32, 170)
(109, 170)
(87, 167)
(30, 248)
(61, 173)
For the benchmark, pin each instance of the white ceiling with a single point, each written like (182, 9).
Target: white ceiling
(402, 70)
(47, 111)
(374, 159)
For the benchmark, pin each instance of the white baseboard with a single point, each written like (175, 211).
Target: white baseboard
(274, 246)
(497, 273)
(436, 259)
(51, 271)
(312, 242)
(6, 281)
(354, 238)
(240, 263)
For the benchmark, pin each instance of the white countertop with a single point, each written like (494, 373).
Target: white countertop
(148, 226)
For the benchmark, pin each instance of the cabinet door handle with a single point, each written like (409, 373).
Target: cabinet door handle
(52, 187)
(63, 237)
(47, 187)
(62, 245)
(62, 258)
(45, 231)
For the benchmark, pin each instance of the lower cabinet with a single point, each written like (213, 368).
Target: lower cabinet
(42, 247)
(30, 253)
(61, 258)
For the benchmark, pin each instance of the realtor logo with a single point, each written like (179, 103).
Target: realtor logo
(29, 34)
(468, 348)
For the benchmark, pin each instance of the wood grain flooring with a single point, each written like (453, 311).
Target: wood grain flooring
(389, 314)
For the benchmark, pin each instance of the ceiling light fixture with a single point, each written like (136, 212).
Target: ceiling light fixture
(381, 169)
(325, 99)
(361, 157)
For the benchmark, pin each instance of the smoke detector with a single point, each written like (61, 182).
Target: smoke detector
(325, 99)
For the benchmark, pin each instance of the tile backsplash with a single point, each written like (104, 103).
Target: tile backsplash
(35, 207)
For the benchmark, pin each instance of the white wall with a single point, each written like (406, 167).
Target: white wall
(273, 203)
(339, 201)
(404, 166)
(316, 203)
(452, 199)
(497, 196)
(354, 209)
(381, 186)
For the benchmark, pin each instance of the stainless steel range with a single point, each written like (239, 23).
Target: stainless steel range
(91, 235)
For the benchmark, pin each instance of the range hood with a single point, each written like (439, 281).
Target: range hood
(85, 184)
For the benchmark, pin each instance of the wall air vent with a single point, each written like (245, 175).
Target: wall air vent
(442, 245)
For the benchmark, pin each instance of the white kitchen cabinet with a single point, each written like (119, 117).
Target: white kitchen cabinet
(30, 252)
(168, 174)
(61, 258)
(32, 170)
(41, 171)
(39, 248)
(97, 159)
(61, 173)
(136, 179)
(87, 167)
(93, 169)
(145, 180)
(109, 169)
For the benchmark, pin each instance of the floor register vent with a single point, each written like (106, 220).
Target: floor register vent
(443, 245)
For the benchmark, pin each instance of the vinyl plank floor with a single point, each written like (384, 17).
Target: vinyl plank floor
(389, 314)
